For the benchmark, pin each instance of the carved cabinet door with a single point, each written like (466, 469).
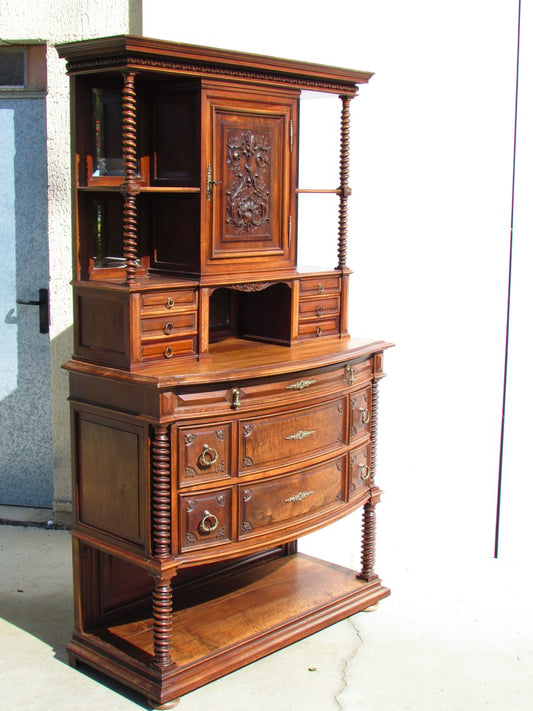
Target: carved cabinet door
(250, 179)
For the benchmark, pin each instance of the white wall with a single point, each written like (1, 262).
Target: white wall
(431, 171)
(52, 22)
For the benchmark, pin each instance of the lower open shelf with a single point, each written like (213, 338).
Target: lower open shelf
(228, 623)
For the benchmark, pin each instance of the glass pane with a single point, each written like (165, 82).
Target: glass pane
(107, 123)
(12, 66)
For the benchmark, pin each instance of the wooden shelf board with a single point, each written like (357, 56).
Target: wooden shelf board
(221, 627)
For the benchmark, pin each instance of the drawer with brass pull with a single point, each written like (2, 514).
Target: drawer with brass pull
(360, 413)
(281, 439)
(166, 326)
(318, 285)
(205, 519)
(167, 301)
(319, 307)
(151, 350)
(290, 499)
(204, 453)
(359, 470)
(318, 328)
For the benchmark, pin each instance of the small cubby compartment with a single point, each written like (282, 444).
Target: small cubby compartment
(164, 108)
(258, 312)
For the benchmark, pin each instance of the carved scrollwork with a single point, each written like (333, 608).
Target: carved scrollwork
(251, 287)
(189, 438)
(248, 196)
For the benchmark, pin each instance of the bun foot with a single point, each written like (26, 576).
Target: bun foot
(167, 705)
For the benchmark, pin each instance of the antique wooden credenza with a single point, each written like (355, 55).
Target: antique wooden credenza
(220, 410)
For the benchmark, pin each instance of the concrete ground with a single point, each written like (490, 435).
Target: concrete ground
(446, 640)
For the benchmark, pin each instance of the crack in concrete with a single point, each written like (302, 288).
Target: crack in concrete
(349, 659)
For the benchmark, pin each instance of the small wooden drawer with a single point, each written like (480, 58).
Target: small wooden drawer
(289, 500)
(318, 328)
(167, 301)
(168, 326)
(359, 475)
(277, 440)
(319, 307)
(319, 285)
(205, 519)
(165, 350)
(360, 413)
(204, 453)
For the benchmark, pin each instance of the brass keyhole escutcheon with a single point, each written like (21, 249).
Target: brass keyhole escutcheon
(208, 457)
(209, 523)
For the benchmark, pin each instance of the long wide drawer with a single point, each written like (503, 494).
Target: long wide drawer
(267, 442)
(289, 499)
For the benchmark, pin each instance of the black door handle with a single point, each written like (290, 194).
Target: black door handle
(43, 309)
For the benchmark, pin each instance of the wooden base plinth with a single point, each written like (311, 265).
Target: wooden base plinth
(229, 623)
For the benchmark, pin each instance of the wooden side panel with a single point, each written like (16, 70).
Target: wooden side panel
(110, 475)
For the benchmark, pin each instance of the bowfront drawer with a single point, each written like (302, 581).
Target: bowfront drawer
(359, 474)
(360, 413)
(205, 519)
(168, 325)
(204, 453)
(168, 301)
(280, 439)
(290, 500)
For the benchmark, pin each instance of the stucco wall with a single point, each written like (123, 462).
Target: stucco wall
(53, 22)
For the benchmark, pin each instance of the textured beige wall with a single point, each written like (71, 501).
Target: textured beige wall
(53, 22)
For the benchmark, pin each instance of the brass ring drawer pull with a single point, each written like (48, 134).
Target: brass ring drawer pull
(319, 310)
(170, 302)
(208, 457)
(235, 398)
(168, 328)
(321, 288)
(365, 472)
(168, 352)
(365, 415)
(209, 523)
(318, 331)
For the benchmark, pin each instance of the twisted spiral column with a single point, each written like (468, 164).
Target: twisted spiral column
(368, 555)
(131, 188)
(162, 617)
(344, 190)
(161, 518)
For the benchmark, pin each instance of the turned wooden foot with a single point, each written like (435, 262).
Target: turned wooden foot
(167, 705)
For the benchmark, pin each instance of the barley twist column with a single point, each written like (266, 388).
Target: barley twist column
(344, 189)
(368, 553)
(161, 545)
(130, 187)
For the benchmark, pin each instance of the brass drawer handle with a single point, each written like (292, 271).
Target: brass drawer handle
(300, 496)
(365, 472)
(235, 398)
(301, 384)
(319, 310)
(170, 302)
(318, 331)
(365, 415)
(168, 352)
(321, 288)
(302, 434)
(209, 523)
(208, 457)
(168, 328)
(349, 375)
